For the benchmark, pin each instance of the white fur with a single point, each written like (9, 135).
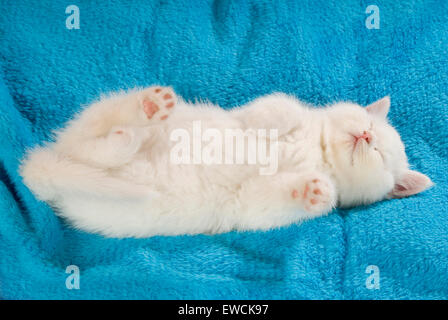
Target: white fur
(124, 184)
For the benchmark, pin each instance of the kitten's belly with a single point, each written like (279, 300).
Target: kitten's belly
(216, 183)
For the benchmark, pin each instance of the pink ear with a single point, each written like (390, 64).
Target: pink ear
(380, 107)
(410, 182)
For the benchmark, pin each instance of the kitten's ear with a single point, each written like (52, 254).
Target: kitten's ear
(411, 182)
(380, 107)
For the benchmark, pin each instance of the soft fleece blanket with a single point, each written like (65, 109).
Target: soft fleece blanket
(228, 52)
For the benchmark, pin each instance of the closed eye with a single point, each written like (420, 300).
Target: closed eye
(375, 148)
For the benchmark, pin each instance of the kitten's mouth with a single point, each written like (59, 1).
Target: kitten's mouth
(359, 142)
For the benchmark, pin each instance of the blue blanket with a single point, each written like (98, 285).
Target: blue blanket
(228, 52)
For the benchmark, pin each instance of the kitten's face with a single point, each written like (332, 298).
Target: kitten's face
(367, 155)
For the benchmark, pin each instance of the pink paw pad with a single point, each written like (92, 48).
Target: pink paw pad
(150, 108)
(295, 193)
(316, 191)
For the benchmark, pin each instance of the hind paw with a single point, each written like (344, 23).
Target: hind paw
(158, 102)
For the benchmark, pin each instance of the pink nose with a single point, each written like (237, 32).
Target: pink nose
(366, 136)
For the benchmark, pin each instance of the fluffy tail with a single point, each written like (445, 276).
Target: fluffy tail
(49, 174)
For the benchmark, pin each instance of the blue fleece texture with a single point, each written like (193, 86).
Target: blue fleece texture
(228, 52)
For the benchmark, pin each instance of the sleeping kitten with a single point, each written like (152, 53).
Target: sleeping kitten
(111, 170)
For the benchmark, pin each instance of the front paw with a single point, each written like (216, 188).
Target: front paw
(158, 102)
(317, 195)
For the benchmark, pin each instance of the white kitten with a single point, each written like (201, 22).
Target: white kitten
(110, 169)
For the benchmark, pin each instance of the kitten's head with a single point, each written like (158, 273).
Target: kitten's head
(367, 156)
